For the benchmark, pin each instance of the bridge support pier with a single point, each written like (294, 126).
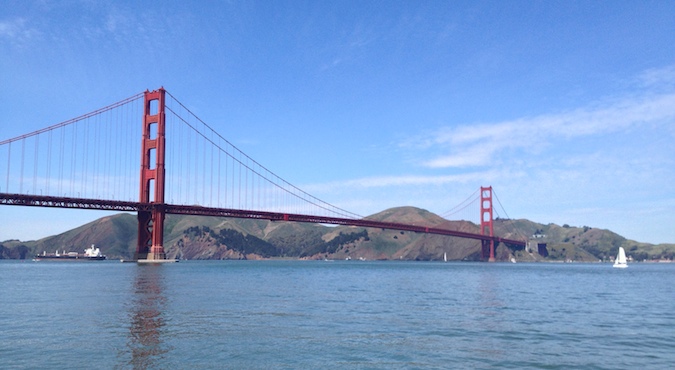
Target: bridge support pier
(151, 223)
(156, 253)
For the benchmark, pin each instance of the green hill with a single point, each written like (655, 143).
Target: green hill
(196, 237)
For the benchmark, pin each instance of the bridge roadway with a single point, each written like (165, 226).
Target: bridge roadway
(124, 206)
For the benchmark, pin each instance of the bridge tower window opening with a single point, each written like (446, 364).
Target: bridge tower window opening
(152, 159)
(151, 191)
(153, 107)
(152, 131)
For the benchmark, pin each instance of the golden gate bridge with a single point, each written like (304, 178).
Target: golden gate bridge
(186, 167)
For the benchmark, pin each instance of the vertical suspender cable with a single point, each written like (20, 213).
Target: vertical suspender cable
(61, 147)
(109, 154)
(49, 161)
(227, 161)
(85, 154)
(129, 168)
(61, 159)
(196, 167)
(229, 179)
(9, 157)
(111, 160)
(98, 164)
(125, 151)
(180, 156)
(168, 155)
(240, 182)
(73, 155)
(102, 173)
(246, 185)
(188, 152)
(23, 153)
(218, 181)
(211, 173)
(203, 188)
(35, 163)
(96, 159)
(77, 149)
(118, 145)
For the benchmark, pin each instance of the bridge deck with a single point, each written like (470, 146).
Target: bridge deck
(125, 206)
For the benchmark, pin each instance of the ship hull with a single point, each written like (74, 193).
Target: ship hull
(68, 258)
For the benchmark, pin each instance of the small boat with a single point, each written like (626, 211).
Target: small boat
(620, 261)
(90, 254)
(445, 256)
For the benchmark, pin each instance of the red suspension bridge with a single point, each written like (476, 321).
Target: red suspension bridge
(91, 162)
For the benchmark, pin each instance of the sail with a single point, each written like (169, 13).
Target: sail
(620, 260)
(622, 256)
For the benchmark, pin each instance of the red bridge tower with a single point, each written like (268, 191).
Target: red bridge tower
(151, 223)
(486, 227)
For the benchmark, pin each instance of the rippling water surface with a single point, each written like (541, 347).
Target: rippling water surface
(345, 314)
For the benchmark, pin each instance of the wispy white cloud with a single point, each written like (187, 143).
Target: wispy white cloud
(535, 150)
(472, 156)
(17, 31)
(114, 23)
(481, 144)
(348, 46)
(656, 77)
(401, 181)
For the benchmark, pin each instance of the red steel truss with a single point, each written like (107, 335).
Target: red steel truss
(149, 208)
(362, 222)
(62, 202)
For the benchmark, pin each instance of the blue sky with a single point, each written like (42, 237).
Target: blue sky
(567, 108)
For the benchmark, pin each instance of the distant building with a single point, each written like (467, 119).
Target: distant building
(540, 248)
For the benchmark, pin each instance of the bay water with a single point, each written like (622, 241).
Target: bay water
(335, 314)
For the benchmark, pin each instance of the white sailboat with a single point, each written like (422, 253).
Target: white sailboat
(445, 256)
(620, 261)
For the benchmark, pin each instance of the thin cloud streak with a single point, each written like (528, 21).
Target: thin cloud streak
(478, 145)
(657, 77)
(401, 181)
(16, 31)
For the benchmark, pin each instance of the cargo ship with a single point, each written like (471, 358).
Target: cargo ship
(90, 254)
